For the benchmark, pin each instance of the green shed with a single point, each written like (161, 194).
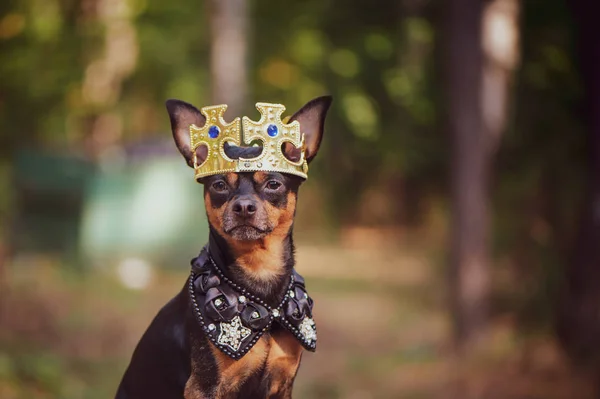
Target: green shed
(151, 210)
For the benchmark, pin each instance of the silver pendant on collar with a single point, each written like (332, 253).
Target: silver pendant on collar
(233, 333)
(308, 330)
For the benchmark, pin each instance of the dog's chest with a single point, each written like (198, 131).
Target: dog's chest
(268, 369)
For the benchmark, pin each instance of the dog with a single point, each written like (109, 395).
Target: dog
(240, 324)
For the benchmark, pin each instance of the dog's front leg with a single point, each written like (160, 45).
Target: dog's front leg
(282, 365)
(192, 389)
(282, 374)
(281, 390)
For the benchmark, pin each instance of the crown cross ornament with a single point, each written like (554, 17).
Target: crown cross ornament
(270, 129)
(213, 135)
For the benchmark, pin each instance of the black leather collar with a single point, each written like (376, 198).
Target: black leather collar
(234, 320)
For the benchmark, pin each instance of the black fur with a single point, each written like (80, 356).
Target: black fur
(162, 358)
(161, 364)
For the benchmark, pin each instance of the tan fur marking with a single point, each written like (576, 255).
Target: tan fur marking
(262, 259)
(281, 353)
(282, 363)
(215, 215)
(233, 373)
(260, 177)
(191, 390)
(232, 179)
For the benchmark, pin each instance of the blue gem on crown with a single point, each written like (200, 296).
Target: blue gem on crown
(213, 132)
(272, 130)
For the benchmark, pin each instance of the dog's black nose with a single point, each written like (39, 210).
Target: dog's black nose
(244, 207)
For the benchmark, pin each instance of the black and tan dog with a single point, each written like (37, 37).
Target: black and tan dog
(239, 326)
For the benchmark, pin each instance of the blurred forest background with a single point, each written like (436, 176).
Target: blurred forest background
(454, 206)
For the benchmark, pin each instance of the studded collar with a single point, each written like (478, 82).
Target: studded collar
(234, 320)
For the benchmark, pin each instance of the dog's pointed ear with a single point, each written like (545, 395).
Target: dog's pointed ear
(312, 122)
(183, 115)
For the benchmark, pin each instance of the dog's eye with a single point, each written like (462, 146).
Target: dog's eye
(273, 184)
(219, 186)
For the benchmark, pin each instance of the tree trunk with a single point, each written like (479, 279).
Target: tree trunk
(479, 72)
(579, 324)
(105, 75)
(229, 44)
(469, 274)
(500, 44)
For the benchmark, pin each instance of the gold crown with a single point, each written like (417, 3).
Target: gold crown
(270, 129)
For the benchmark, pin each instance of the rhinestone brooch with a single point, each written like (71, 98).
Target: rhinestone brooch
(233, 333)
(307, 329)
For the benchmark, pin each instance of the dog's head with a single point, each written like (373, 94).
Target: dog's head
(246, 207)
